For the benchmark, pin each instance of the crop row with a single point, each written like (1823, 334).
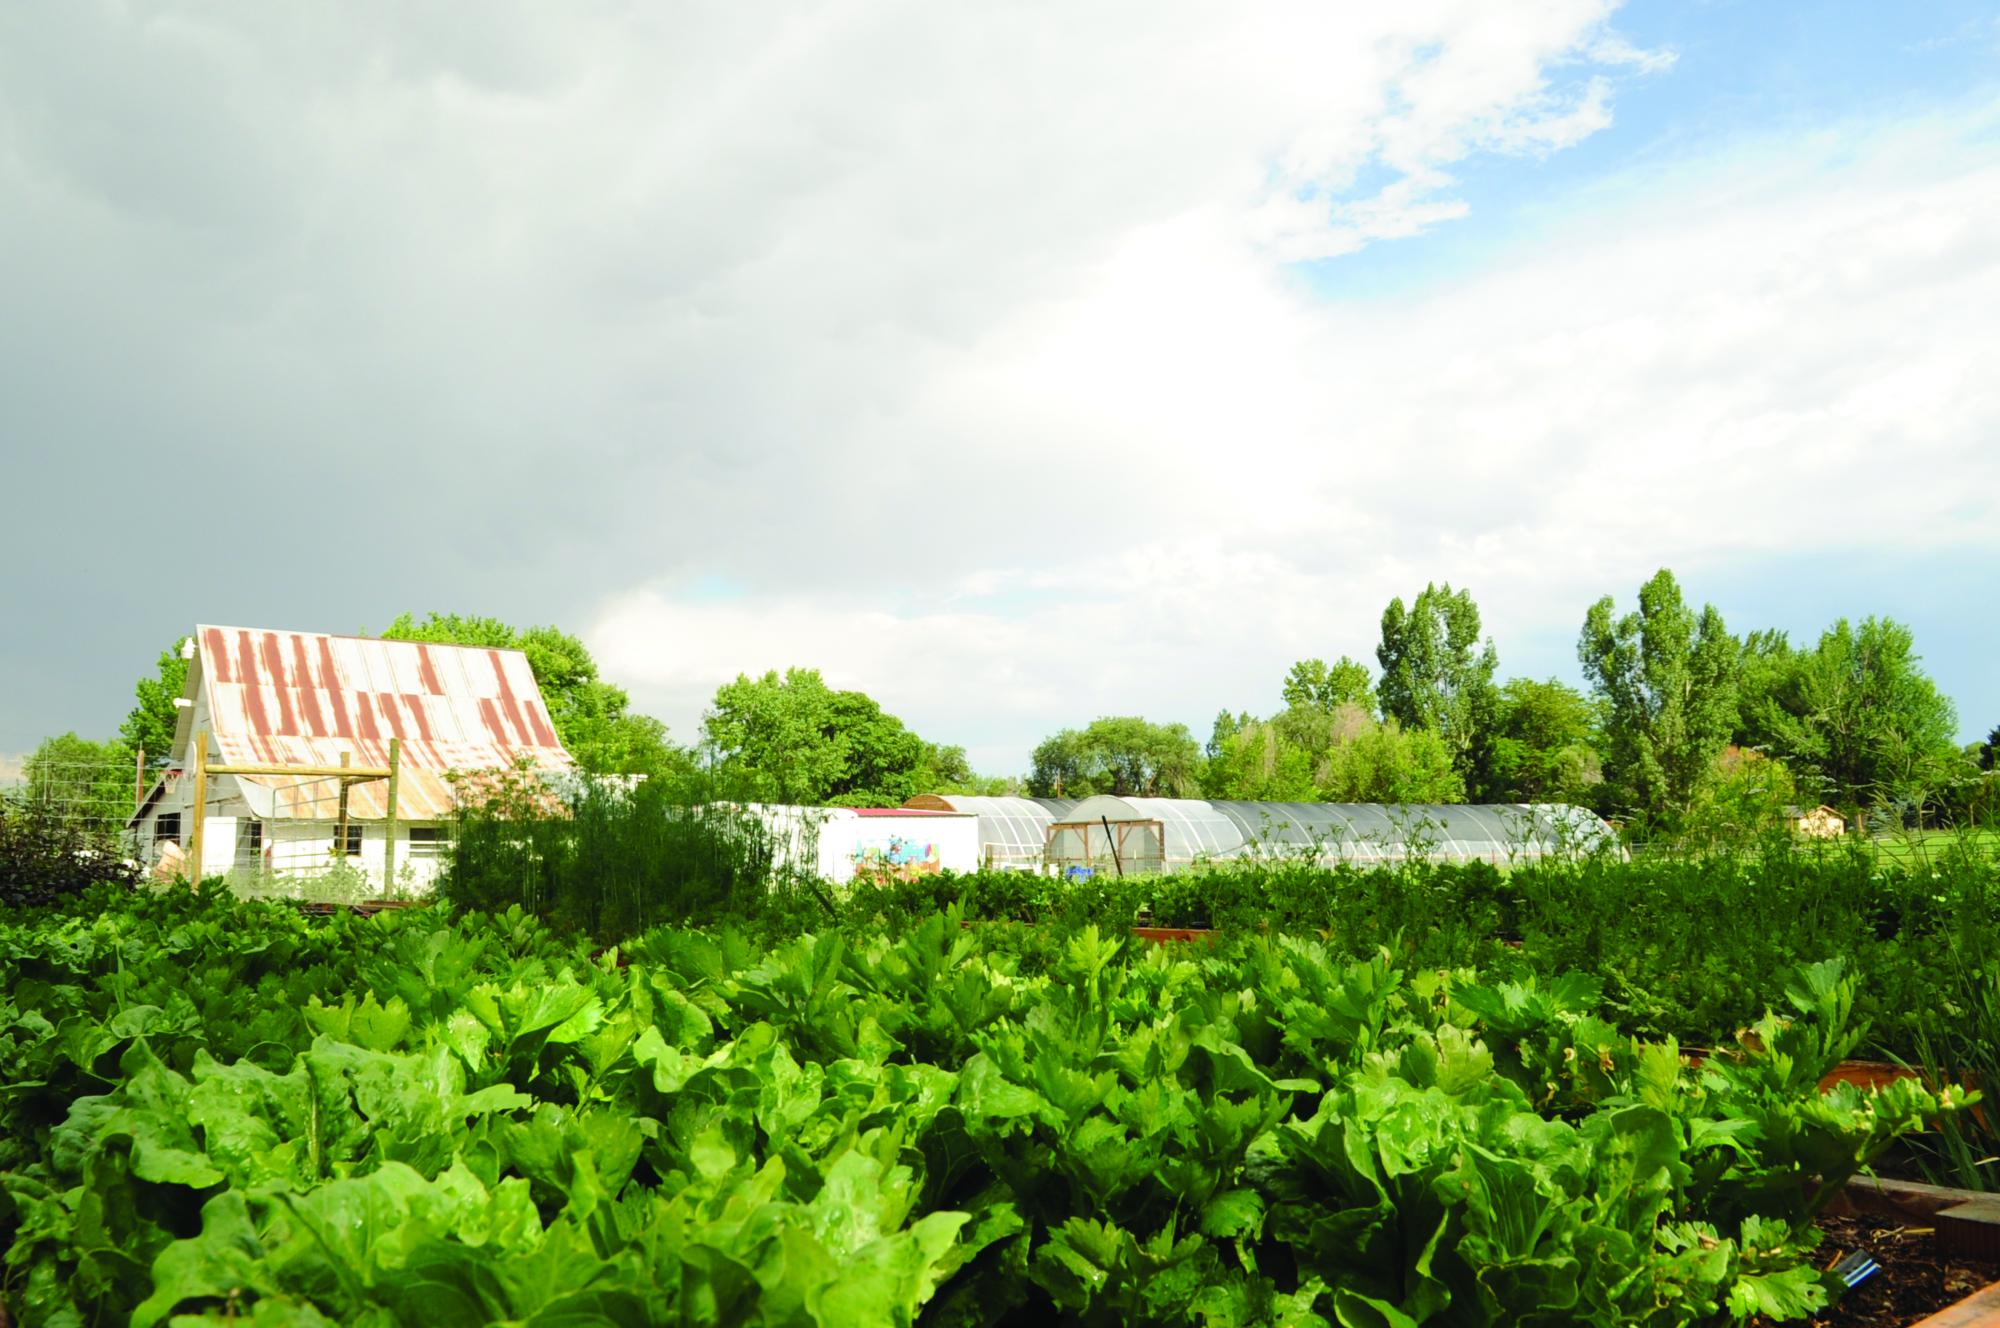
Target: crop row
(215, 1110)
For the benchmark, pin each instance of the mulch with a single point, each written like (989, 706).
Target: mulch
(1915, 1282)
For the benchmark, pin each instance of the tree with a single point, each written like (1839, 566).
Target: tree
(1989, 751)
(1544, 744)
(1124, 755)
(1746, 794)
(150, 726)
(1668, 678)
(1859, 720)
(82, 783)
(793, 739)
(1436, 675)
(1307, 754)
(1315, 683)
(592, 717)
(1765, 666)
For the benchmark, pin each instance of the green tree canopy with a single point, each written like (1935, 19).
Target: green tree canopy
(1544, 746)
(793, 739)
(1124, 755)
(82, 783)
(150, 726)
(1857, 719)
(1344, 754)
(594, 718)
(1667, 676)
(1436, 674)
(1323, 686)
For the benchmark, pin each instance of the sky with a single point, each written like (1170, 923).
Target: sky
(1015, 364)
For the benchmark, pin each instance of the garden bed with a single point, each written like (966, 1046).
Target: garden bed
(1939, 1251)
(1919, 1282)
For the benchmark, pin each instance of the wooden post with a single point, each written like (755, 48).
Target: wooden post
(200, 805)
(389, 825)
(138, 781)
(340, 821)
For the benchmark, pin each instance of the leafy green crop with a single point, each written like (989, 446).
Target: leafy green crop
(219, 1111)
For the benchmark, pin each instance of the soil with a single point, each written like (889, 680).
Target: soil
(1913, 1284)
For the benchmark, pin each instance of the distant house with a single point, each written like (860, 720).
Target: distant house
(1821, 822)
(305, 699)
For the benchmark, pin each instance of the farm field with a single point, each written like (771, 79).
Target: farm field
(973, 1101)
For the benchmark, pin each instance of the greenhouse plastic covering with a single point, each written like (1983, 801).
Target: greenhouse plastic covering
(1010, 829)
(1197, 830)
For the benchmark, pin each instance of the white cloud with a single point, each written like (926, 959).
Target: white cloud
(961, 342)
(1767, 353)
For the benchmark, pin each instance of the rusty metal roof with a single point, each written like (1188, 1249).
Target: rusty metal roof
(303, 698)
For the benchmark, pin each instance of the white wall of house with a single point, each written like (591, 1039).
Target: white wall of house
(234, 841)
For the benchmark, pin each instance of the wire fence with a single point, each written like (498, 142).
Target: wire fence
(91, 796)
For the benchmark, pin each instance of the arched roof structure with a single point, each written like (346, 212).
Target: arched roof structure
(1011, 830)
(1195, 830)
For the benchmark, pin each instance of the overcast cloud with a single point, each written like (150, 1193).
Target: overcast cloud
(966, 353)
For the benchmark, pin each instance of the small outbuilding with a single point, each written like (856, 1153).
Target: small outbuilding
(280, 702)
(1821, 822)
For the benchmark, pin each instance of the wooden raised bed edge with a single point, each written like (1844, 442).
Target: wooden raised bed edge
(1967, 1223)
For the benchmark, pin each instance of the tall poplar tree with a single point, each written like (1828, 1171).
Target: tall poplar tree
(1437, 675)
(1668, 677)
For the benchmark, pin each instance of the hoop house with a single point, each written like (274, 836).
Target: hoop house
(1167, 834)
(1013, 832)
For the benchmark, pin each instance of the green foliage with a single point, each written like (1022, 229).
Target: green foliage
(592, 717)
(1310, 754)
(1782, 903)
(1856, 717)
(603, 859)
(47, 855)
(1667, 676)
(1315, 684)
(1544, 745)
(1747, 795)
(150, 726)
(1960, 1043)
(438, 1119)
(1436, 674)
(793, 739)
(1125, 755)
(84, 781)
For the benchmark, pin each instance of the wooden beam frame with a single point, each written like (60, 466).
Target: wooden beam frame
(346, 774)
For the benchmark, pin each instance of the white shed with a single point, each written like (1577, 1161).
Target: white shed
(306, 699)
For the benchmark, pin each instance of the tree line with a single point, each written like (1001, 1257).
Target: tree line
(1679, 723)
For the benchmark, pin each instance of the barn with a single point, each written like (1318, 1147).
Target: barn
(295, 705)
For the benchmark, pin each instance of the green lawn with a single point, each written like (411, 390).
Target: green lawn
(1917, 846)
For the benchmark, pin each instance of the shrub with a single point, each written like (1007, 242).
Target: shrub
(45, 858)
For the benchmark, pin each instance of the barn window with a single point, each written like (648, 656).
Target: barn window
(250, 835)
(167, 828)
(353, 840)
(426, 841)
